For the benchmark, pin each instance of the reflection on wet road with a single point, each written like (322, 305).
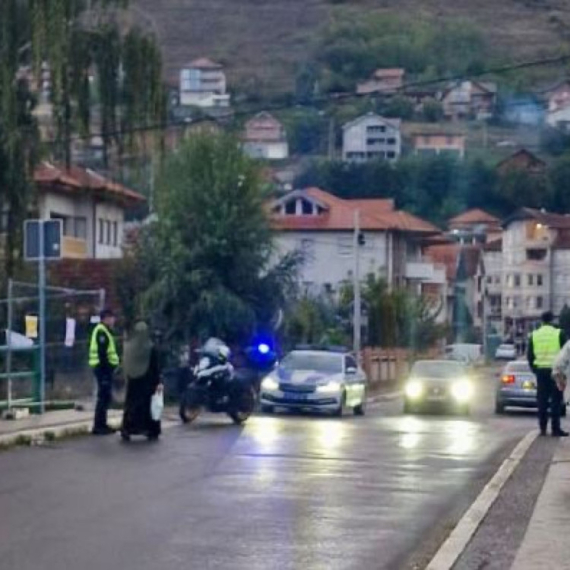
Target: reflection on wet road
(284, 492)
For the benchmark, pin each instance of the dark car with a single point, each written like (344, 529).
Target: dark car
(441, 384)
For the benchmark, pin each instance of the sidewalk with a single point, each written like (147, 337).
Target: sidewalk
(56, 424)
(546, 544)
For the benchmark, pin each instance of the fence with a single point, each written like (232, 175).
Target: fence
(68, 326)
(389, 365)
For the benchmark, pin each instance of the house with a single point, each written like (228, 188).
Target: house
(558, 96)
(559, 119)
(535, 268)
(321, 226)
(384, 81)
(92, 209)
(265, 137)
(475, 226)
(203, 84)
(469, 99)
(493, 302)
(439, 143)
(465, 272)
(371, 137)
(522, 160)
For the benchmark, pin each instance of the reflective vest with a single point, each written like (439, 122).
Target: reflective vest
(112, 354)
(546, 345)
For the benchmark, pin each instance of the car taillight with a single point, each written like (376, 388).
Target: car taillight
(508, 379)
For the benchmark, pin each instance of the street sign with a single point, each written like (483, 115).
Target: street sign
(52, 230)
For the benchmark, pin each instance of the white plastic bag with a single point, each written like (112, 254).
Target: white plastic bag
(157, 405)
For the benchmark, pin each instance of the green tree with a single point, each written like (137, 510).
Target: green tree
(432, 111)
(399, 107)
(209, 258)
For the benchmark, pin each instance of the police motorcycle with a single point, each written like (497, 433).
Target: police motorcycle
(259, 360)
(215, 388)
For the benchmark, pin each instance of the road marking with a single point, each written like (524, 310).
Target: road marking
(459, 538)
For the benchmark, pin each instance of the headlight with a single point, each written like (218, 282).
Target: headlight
(269, 384)
(329, 388)
(462, 390)
(414, 389)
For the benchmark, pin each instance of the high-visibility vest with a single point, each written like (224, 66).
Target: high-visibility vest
(546, 345)
(112, 354)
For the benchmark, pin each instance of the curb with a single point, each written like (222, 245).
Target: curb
(37, 436)
(457, 541)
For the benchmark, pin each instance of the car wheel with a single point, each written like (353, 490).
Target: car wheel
(267, 409)
(499, 408)
(360, 410)
(339, 412)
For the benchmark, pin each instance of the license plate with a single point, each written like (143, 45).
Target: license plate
(293, 396)
(529, 385)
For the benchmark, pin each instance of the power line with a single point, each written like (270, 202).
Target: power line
(332, 97)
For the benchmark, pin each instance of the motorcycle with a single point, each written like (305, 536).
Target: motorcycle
(214, 387)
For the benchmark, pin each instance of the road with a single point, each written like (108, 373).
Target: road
(283, 492)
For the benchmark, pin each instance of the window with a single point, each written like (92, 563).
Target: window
(539, 302)
(350, 363)
(391, 154)
(517, 280)
(391, 141)
(530, 279)
(108, 232)
(375, 129)
(115, 234)
(66, 223)
(307, 208)
(375, 141)
(101, 230)
(489, 280)
(539, 280)
(509, 280)
(291, 207)
(536, 254)
(345, 245)
(80, 228)
(497, 279)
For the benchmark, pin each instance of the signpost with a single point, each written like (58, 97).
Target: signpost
(42, 240)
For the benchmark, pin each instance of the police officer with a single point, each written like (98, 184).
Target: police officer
(543, 348)
(103, 359)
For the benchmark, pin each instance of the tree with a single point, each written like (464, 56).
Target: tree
(209, 259)
(432, 111)
(399, 107)
(75, 41)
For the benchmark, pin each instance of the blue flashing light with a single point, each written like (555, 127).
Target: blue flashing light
(263, 348)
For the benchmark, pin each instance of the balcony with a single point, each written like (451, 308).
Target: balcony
(425, 271)
(73, 248)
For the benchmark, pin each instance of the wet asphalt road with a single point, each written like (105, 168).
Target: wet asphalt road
(283, 492)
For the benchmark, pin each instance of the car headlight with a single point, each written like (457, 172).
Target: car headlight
(414, 389)
(269, 384)
(462, 390)
(329, 388)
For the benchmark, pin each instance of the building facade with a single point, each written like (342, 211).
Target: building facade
(265, 138)
(372, 137)
(203, 84)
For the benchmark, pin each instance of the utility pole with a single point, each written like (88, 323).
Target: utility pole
(356, 274)
(42, 313)
(485, 341)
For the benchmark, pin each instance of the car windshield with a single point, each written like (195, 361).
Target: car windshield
(507, 347)
(438, 369)
(518, 367)
(331, 363)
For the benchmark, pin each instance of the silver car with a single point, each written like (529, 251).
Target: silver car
(316, 380)
(517, 387)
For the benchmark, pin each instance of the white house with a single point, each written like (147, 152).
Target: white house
(203, 84)
(322, 227)
(91, 207)
(265, 137)
(371, 137)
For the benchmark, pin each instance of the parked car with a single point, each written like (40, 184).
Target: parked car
(316, 380)
(517, 387)
(464, 352)
(506, 352)
(441, 384)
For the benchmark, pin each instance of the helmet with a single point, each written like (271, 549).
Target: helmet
(224, 353)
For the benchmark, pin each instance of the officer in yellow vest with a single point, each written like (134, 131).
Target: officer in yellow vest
(103, 359)
(543, 348)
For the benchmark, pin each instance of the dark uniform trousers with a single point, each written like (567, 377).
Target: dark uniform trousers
(548, 395)
(104, 376)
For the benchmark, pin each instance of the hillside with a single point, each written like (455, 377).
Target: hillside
(262, 41)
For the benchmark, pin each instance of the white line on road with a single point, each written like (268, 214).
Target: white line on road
(458, 540)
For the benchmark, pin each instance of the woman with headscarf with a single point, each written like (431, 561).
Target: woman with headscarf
(141, 366)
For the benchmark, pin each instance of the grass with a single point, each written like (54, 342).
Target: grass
(268, 40)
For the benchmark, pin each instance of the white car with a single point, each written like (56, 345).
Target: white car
(506, 352)
(316, 380)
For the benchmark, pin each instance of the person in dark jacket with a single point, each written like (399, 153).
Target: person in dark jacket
(544, 346)
(104, 360)
(141, 367)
